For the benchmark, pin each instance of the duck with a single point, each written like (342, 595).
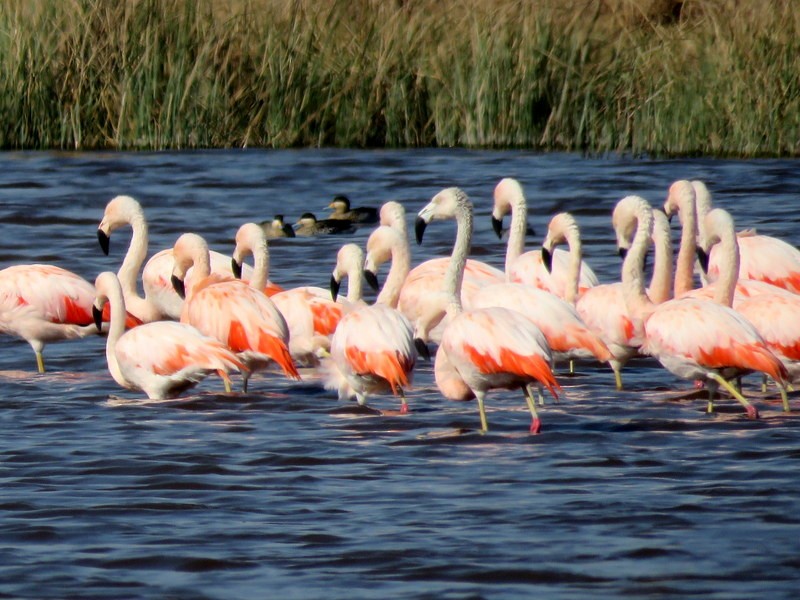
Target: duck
(308, 225)
(343, 212)
(277, 228)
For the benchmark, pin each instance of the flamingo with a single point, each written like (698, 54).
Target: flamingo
(775, 314)
(682, 199)
(602, 307)
(528, 267)
(483, 348)
(310, 313)
(229, 310)
(693, 339)
(43, 304)
(762, 257)
(416, 292)
(372, 349)
(160, 300)
(162, 358)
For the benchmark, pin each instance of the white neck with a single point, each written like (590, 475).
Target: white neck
(454, 276)
(684, 269)
(128, 273)
(401, 265)
(355, 275)
(260, 251)
(573, 237)
(516, 231)
(636, 300)
(729, 268)
(661, 283)
(116, 328)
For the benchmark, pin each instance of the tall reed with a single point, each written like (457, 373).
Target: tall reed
(660, 77)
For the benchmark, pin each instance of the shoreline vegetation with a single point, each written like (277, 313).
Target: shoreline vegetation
(644, 77)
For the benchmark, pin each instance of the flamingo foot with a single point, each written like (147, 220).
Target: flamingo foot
(536, 426)
(752, 412)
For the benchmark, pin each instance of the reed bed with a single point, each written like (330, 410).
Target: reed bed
(711, 77)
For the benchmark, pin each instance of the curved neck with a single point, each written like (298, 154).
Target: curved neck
(702, 201)
(116, 328)
(516, 232)
(454, 276)
(729, 268)
(128, 273)
(573, 237)
(401, 265)
(260, 252)
(355, 275)
(201, 265)
(636, 300)
(661, 282)
(684, 268)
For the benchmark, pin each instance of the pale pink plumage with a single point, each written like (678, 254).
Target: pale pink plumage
(310, 313)
(484, 348)
(44, 304)
(693, 339)
(160, 299)
(161, 358)
(372, 349)
(229, 310)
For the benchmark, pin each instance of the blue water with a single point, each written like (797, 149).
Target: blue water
(287, 493)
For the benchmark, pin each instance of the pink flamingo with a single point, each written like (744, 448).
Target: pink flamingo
(775, 314)
(43, 304)
(528, 267)
(762, 257)
(241, 317)
(693, 339)
(681, 200)
(162, 358)
(160, 300)
(372, 349)
(483, 348)
(310, 314)
(602, 307)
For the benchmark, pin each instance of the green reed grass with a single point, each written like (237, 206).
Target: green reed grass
(631, 76)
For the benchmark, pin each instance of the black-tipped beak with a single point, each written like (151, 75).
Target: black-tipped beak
(623, 252)
(547, 260)
(419, 228)
(97, 315)
(702, 258)
(497, 226)
(179, 286)
(334, 287)
(236, 269)
(372, 280)
(422, 349)
(104, 241)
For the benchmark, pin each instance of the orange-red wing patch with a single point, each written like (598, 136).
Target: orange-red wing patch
(391, 366)
(277, 350)
(75, 313)
(272, 288)
(326, 317)
(532, 365)
(742, 356)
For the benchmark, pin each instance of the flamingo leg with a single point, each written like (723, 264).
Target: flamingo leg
(536, 424)
(751, 410)
(784, 397)
(226, 380)
(403, 404)
(39, 361)
(618, 378)
(245, 379)
(571, 366)
(482, 410)
(763, 384)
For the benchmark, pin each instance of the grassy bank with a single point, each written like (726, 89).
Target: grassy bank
(715, 77)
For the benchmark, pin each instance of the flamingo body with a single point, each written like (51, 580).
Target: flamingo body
(762, 258)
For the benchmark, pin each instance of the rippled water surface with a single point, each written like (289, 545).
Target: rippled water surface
(286, 492)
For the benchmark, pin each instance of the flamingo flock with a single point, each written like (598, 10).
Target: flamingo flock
(205, 312)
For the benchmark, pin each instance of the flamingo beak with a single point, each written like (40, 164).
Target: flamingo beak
(104, 241)
(372, 279)
(497, 226)
(179, 286)
(236, 268)
(97, 316)
(547, 260)
(419, 228)
(623, 252)
(422, 349)
(334, 287)
(702, 257)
